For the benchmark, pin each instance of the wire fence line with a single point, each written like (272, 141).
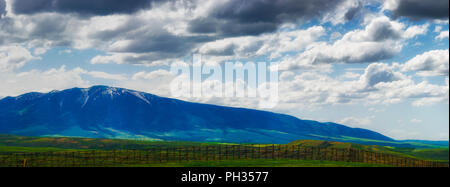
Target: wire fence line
(107, 158)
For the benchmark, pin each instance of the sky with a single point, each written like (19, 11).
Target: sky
(382, 65)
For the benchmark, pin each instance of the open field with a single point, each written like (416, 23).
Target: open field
(17, 151)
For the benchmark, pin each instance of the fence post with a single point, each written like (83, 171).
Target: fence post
(392, 160)
(350, 155)
(336, 152)
(245, 152)
(220, 152)
(226, 152)
(273, 151)
(253, 151)
(93, 157)
(258, 149)
(280, 152)
(194, 153)
(239, 151)
(167, 154)
(319, 156)
(233, 149)
(207, 151)
(214, 152)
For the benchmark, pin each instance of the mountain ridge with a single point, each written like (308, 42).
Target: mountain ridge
(110, 112)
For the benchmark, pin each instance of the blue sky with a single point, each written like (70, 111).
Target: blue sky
(367, 64)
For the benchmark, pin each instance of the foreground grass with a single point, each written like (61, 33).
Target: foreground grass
(261, 163)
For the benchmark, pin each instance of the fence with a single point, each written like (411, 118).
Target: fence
(105, 158)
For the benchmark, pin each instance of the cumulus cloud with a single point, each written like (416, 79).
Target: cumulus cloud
(418, 9)
(155, 82)
(381, 39)
(157, 74)
(377, 73)
(379, 84)
(12, 84)
(431, 63)
(124, 33)
(43, 31)
(442, 35)
(153, 32)
(274, 44)
(16, 83)
(13, 57)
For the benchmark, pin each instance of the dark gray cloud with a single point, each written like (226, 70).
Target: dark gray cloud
(352, 12)
(2, 8)
(81, 7)
(162, 42)
(243, 17)
(137, 37)
(383, 30)
(378, 73)
(420, 9)
(149, 40)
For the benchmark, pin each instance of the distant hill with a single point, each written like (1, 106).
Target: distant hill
(107, 112)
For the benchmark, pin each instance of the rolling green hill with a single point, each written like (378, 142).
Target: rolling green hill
(439, 154)
(13, 143)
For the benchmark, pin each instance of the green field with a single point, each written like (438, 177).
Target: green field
(262, 163)
(88, 152)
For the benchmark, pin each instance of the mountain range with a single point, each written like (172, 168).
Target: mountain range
(109, 112)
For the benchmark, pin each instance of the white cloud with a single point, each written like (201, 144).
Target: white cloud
(274, 44)
(431, 63)
(155, 82)
(442, 35)
(12, 84)
(103, 75)
(129, 58)
(429, 101)
(380, 39)
(17, 83)
(157, 74)
(379, 84)
(437, 28)
(13, 57)
(416, 30)
(356, 121)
